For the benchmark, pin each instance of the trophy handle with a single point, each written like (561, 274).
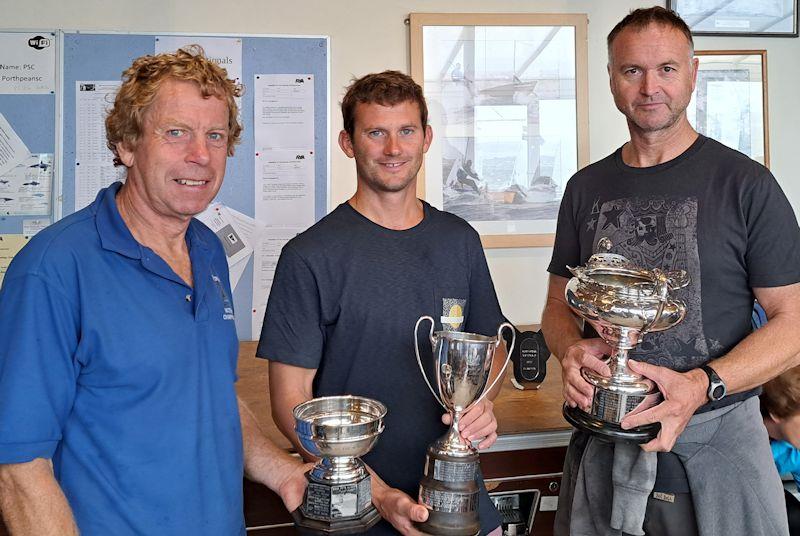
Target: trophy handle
(662, 291)
(419, 359)
(505, 365)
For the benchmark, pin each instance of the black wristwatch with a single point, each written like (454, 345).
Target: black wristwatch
(716, 387)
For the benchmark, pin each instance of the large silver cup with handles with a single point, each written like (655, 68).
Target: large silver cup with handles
(462, 364)
(622, 302)
(338, 429)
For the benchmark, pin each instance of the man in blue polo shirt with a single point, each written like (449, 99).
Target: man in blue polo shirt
(117, 342)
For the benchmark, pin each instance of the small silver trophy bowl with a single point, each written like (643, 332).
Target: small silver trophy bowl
(338, 429)
(622, 302)
(463, 363)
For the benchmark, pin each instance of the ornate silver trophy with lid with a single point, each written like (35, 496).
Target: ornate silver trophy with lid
(338, 429)
(462, 364)
(622, 302)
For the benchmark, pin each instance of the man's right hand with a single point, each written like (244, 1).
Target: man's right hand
(397, 507)
(586, 353)
(401, 511)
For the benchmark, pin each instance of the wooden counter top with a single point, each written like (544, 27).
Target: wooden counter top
(518, 412)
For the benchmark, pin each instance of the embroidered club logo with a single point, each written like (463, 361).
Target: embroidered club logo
(227, 306)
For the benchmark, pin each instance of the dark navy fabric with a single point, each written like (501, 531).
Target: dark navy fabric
(344, 301)
(124, 375)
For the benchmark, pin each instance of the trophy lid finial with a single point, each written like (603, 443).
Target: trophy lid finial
(604, 245)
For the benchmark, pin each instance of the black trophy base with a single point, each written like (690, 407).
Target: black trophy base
(307, 525)
(608, 430)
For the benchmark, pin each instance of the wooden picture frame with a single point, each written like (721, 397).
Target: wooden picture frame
(508, 92)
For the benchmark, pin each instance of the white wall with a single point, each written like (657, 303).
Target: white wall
(370, 35)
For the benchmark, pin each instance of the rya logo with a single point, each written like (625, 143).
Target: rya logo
(39, 42)
(299, 81)
(300, 157)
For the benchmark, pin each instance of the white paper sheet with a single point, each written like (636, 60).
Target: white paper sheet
(224, 51)
(94, 161)
(237, 232)
(25, 189)
(265, 257)
(33, 226)
(284, 111)
(218, 218)
(28, 65)
(236, 271)
(12, 149)
(284, 188)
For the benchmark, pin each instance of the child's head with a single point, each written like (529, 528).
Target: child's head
(780, 407)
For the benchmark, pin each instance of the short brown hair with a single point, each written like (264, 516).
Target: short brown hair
(781, 395)
(142, 80)
(641, 18)
(388, 88)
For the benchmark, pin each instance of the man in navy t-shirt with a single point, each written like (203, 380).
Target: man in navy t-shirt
(348, 291)
(118, 413)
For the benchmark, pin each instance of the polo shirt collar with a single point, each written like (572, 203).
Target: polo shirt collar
(115, 235)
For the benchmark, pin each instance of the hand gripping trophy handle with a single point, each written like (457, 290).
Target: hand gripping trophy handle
(438, 396)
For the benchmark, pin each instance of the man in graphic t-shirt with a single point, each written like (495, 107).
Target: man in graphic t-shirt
(673, 199)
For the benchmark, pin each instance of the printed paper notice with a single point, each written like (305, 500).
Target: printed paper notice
(94, 161)
(12, 149)
(224, 51)
(10, 244)
(25, 189)
(284, 111)
(28, 63)
(284, 182)
(265, 259)
(33, 226)
(236, 231)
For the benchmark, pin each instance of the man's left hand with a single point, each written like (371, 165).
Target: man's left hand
(478, 422)
(683, 394)
(293, 487)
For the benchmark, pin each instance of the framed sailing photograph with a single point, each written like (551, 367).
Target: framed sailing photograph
(507, 97)
(729, 103)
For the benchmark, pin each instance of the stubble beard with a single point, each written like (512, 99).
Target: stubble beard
(645, 127)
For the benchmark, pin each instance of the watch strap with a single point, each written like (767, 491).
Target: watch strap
(716, 387)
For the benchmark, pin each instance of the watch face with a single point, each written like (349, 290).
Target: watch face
(718, 392)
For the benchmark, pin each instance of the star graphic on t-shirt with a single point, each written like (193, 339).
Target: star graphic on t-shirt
(590, 224)
(612, 217)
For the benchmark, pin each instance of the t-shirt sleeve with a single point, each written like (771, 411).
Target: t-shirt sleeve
(484, 314)
(566, 248)
(38, 373)
(292, 330)
(773, 237)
